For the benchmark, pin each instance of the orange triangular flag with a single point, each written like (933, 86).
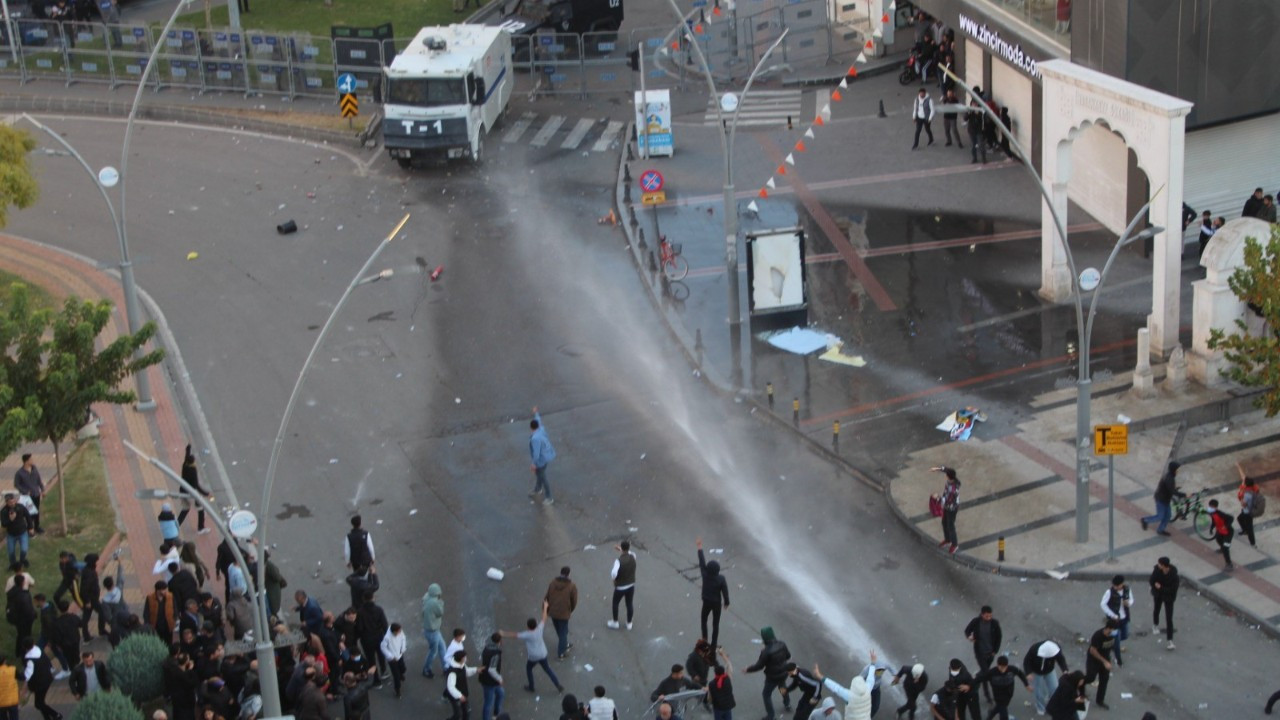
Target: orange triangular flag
(782, 169)
(764, 193)
(835, 95)
(675, 45)
(870, 45)
(885, 18)
(853, 71)
(697, 29)
(818, 121)
(716, 11)
(800, 146)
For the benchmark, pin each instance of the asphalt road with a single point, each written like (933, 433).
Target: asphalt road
(416, 412)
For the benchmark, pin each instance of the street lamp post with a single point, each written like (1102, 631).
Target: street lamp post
(727, 134)
(267, 484)
(1083, 381)
(268, 681)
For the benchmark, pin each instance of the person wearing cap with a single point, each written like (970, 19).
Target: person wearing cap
(1039, 665)
(1164, 583)
(916, 680)
(89, 676)
(950, 508)
(1166, 491)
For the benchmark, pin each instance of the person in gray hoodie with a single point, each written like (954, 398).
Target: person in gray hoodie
(714, 590)
(432, 615)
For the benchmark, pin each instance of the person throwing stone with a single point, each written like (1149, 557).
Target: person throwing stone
(541, 452)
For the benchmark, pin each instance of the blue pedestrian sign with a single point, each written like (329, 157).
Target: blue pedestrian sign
(651, 181)
(346, 83)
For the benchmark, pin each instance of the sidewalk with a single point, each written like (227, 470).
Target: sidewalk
(160, 432)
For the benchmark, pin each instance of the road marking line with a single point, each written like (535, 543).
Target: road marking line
(544, 135)
(607, 137)
(518, 127)
(578, 132)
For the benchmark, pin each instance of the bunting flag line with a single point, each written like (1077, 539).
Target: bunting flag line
(800, 146)
(764, 193)
(862, 57)
(844, 83)
(818, 121)
(835, 94)
(771, 185)
(782, 170)
(809, 134)
(790, 159)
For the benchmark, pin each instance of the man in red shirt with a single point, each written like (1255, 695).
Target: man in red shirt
(1223, 531)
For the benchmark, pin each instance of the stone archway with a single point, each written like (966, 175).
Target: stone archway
(1153, 125)
(1214, 305)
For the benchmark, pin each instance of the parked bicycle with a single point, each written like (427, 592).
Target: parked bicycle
(1193, 505)
(673, 265)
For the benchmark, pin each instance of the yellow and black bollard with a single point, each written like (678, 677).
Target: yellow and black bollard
(768, 388)
(795, 412)
(1000, 547)
(835, 436)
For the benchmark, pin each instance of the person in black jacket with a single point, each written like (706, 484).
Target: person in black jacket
(180, 683)
(362, 580)
(1001, 678)
(1043, 660)
(1069, 698)
(773, 660)
(715, 591)
(1164, 583)
(698, 664)
(191, 475)
(371, 626)
(985, 634)
(1166, 491)
(19, 610)
(1252, 204)
(355, 697)
(810, 688)
(37, 672)
(65, 634)
(1097, 663)
(966, 693)
(80, 685)
(183, 586)
(720, 689)
(89, 597)
(16, 522)
(917, 680)
(672, 684)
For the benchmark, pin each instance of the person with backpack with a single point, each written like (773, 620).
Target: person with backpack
(1252, 504)
(1223, 531)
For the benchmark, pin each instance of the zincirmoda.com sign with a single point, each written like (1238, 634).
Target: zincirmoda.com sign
(1011, 52)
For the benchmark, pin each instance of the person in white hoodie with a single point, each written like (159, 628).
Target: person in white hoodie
(857, 696)
(455, 685)
(825, 711)
(393, 647)
(869, 680)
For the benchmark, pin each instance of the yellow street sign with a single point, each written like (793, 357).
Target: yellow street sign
(653, 198)
(1110, 439)
(350, 105)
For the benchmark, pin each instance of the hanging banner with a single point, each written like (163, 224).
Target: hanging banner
(653, 123)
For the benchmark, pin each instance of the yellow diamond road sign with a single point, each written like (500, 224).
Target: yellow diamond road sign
(1110, 439)
(350, 105)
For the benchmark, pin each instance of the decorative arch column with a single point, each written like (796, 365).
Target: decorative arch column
(1214, 305)
(1153, 125)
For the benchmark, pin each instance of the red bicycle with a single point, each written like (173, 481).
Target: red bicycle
(673, 264)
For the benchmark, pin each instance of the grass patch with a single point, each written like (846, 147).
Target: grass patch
(40, 297)
(316, 17)
(91, 521)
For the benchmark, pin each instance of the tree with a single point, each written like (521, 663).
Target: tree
(106, 705)
(135, 667)
(76, 374)
(1255, 359)
(18, 187)
(22, 332)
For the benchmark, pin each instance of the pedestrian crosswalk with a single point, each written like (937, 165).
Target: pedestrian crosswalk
(589, 134)
(761, 108)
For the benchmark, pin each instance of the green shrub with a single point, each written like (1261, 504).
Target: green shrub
(106, 706)
(136, 667)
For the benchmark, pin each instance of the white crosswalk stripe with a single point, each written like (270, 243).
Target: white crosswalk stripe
(518, 127)
(761, 108)
(544, 135)
(575, 136)
(607, 137)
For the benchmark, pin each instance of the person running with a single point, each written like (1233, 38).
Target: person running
(535, 649)
(562, 600)
(1223, 532)
(1166, 491)
(715, 595)
(1164, 583)
(808, 684)
(541, 452)
(1097, 663)
(624, 582)
(773, 661)
(916, 680)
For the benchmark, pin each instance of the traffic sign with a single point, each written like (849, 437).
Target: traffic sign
(651, 181)
(1110, 439)
(346, 83)
(350, 105)
(653, 198)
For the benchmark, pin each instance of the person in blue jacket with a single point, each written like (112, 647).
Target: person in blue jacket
(541, 452)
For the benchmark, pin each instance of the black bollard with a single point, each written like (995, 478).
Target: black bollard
(835, 436)
(626, 172)
(881, 113)
(768, 388)
(632, 209)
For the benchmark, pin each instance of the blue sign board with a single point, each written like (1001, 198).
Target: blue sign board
(346, 83)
